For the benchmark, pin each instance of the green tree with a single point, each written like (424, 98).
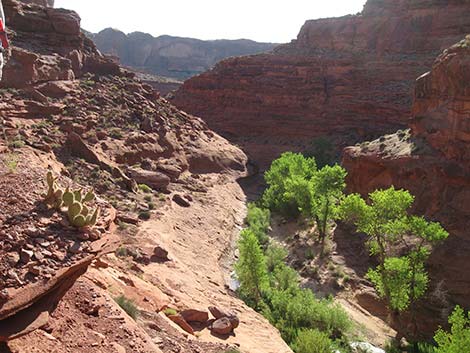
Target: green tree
(458, 339)
(319, 197)
(251, 268)
(258, 220)
(288, 166)
(390, 229)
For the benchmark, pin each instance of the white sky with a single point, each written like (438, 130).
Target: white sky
(262, 20)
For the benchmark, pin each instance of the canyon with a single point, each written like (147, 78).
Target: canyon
(348, 79)
(170, 175)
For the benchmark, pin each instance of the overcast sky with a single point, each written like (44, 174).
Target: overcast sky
(261, 20)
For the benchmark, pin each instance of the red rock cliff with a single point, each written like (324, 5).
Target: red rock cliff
(431, 160)
(349, 78)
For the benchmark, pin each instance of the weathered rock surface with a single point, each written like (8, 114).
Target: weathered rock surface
(61, 52)
(174, 57)
(433, 162)
(89, 125)
(347, 78)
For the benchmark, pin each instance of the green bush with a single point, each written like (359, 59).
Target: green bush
(458, 339)
(312, 341)
(258, 220)
(295, 309)
(128, 306)
(145, 188)
(170, 311)
(275, 256)
(288, 166)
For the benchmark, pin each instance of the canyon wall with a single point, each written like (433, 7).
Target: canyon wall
(432, 160)
(347, 78)
(168, 56)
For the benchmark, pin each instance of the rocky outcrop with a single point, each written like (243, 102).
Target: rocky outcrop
(60, 51)
(432, 161)
(347, 78)
(174, 57)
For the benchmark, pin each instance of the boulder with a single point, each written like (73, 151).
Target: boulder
(222, 326)
(155, 180)
(193, 315)
(181, 322)
(180, 200)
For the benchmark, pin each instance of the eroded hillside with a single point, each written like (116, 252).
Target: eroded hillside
(166, 186)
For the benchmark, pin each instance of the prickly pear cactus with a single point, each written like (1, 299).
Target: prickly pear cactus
(90, 196)
(74, 210)
(78, 213)
(68, 198)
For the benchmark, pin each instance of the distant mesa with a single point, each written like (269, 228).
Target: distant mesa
(174, 58)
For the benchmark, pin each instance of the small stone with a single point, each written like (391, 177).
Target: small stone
(25, 255)
(75, 248)
(180, 200)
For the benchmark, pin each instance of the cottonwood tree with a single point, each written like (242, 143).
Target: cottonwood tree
(401, 242)
(251, 268)
(295, 182)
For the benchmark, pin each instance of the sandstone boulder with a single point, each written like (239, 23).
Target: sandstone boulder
(222, 326)
(193, 315)
(155, 180)
(181, 322)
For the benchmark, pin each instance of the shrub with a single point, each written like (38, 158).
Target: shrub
(128, 306)
(288, 166)
(258, 220)
(275, 256)
(312, 341)
(458, 339)
(170, 311)
(145, 188)
(11, 162)
(145, 215)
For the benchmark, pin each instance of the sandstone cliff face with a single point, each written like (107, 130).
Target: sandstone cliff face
(346, 78)
(174, 57)
(432, 161)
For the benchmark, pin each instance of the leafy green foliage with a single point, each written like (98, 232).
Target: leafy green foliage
(394, 279)
(258, 220)
(275, 256)
(128, 306)
(289, 166)
(297, 186)
(458, 339)
(312, 341)
(251, 268)
(388, 225)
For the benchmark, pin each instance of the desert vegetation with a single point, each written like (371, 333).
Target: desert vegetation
(397, 240)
